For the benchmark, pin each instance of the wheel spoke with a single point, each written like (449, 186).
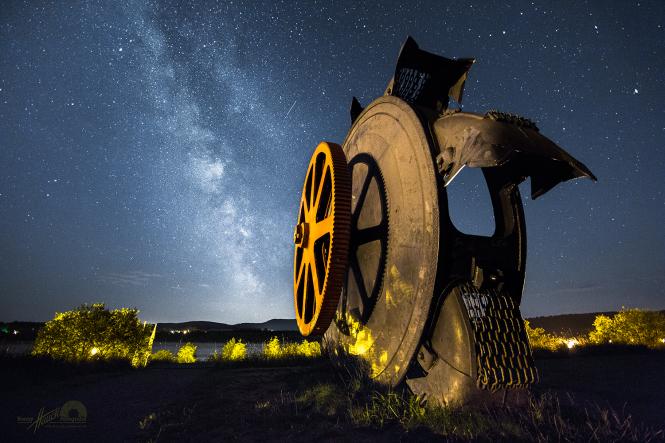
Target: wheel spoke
(370, 234)
(318, 230)
(300, 270)
(304, 292)
(361, 196)
(308, 190)
(319, 191)
(315, 281)
(360, 282)
(313, 189)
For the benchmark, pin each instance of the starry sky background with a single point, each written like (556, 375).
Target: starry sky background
(152, 153)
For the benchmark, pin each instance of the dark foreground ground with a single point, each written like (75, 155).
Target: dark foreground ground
(206, 403)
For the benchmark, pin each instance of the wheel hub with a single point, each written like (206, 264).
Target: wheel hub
(300, 234)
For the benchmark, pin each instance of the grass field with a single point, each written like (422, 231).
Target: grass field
(583, 396)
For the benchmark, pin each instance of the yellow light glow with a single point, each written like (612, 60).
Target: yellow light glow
(571, 343)
(383, 358)
(662, 340)
(94, 351)
(363, 343)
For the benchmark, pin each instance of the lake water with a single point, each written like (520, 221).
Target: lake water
(16, 347)
(203, 350)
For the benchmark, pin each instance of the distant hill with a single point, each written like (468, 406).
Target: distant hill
(195, 325)
(276, 324)
(209, 331)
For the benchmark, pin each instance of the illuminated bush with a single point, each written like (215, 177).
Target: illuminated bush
(163, 355)
(274, 349)
(304, 349)
(187, 353)
(92, 332)
(630, 327)
(233, 350)
(539, 339)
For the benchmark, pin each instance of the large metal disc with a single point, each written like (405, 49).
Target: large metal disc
(394, 240)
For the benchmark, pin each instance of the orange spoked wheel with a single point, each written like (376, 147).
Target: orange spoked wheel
(321, 239)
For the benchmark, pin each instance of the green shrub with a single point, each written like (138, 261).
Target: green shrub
(92, 332)
(187, 353)
(163, 355)
(630, 327)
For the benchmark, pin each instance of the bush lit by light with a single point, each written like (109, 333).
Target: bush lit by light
(273, 349)
(629, 327)
(187, 353)
(539, 339)
(306, 349)
(635, 327)
(163, 355)
(233, 350)
(92, 332)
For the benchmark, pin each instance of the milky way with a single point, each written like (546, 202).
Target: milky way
(152, 153)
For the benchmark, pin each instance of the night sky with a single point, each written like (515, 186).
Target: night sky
(152, 154)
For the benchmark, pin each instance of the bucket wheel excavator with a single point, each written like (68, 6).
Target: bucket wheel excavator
(380, 268)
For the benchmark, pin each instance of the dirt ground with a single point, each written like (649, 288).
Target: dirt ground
(630, 382)
(200, 402)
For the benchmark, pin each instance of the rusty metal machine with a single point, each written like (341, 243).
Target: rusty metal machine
(379, 267)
